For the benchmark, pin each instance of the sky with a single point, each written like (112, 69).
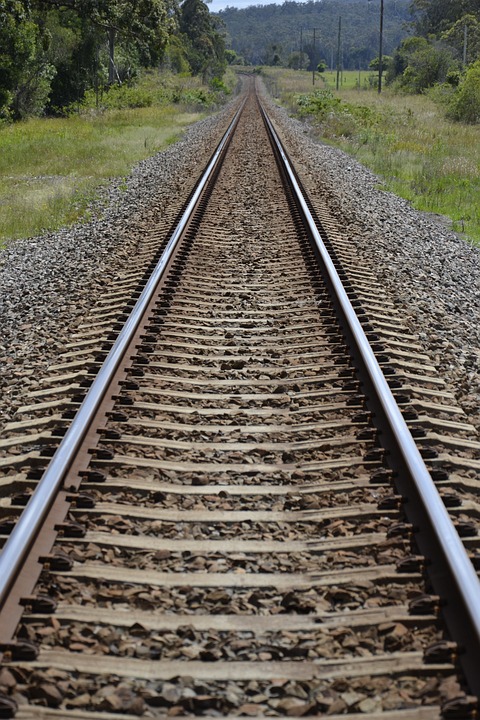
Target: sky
(217, 5)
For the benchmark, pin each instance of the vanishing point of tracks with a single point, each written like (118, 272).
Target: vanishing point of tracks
(242, 527)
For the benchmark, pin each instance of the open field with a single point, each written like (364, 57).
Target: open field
(421, 156)
(51, 168)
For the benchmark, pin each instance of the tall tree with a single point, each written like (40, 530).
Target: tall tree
(205, 43)
(147, 22)
(464, 36)
(25, 71)
(51, 51)
(436, 16)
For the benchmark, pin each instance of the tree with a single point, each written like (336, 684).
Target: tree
(464, 36)
(465, 105)
(252, 30)
(145, 22)
(25, 72)
(175, 56)
(436, 16)
(233, 58)
(52, 51)
(298, 61)
(74, 49)
(419, 63)
(273, 55)
(374, 64)
(205, 44)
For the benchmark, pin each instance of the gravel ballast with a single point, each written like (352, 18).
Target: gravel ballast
(49, 283)
(430, 273)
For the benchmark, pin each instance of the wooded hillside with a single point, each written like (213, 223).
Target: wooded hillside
(270, 34)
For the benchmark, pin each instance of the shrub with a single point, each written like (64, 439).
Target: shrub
(117, 97)
(126, 96)
(419, 63)
(465, 104)
(337, 117)
(319, 103)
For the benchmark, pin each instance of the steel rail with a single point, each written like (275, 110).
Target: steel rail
(16, 548)
(461, 568)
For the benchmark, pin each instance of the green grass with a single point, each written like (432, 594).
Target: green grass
(51, 169)
(421, 156)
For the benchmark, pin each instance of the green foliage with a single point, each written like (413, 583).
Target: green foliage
(441, 94)
(53, 166)
(419, 63)
(386, 63)
(25, 71)
(298, 61)
(436, 16)
(145, 22)
(55, 53)
(425, 158)
(319, 103)
(465, 104)
(466, 28)
(234, 58)
(120, 96)
(205, 46)
(443, 58)
(175, 57)
(253, 30)
(154, 90)
(274, 55)
(218, 85)
(336, 117)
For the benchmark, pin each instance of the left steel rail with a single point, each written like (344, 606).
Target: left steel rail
(19, 543)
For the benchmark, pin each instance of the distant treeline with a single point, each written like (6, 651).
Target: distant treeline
(276, 34)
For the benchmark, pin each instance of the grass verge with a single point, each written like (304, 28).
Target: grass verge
(51, 168)
(421, 156)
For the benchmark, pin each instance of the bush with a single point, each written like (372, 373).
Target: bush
(218, 85)
(319, 103)
(343, 118)
(465, 104)
(419, 64)
(126, 96)
(118, 97)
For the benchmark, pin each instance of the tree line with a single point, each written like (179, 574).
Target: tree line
(429, 46)
(283, 34)
(53, 51)
(442, 56)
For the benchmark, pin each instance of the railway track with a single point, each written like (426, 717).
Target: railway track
(240, 530)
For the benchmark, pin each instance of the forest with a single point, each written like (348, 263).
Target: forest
(54, 51)
(280, 34)
(429, 46)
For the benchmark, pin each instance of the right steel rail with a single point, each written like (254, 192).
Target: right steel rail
(450, 570)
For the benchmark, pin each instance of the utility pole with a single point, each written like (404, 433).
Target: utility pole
(380, 51)
(301, 49)
(314, 54)
(339, 44)
(111, 56)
